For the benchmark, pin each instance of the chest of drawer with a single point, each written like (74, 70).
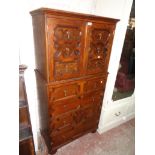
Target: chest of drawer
(63, 91)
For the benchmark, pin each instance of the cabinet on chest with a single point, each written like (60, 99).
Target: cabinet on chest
(72, 54)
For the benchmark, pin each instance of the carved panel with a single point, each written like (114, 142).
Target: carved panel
(65, 68)
(67, 50)
(98, 47)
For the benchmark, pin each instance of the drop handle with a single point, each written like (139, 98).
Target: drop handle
(64, 106)
(117, 114)
(65, 93)
(78, 107)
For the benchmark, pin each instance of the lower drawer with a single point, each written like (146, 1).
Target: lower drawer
(112, 114)
(63, 106)
(61, 121)
(74, 133)
(62, 138)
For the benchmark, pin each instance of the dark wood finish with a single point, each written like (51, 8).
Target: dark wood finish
(26, 144)
(72, 55)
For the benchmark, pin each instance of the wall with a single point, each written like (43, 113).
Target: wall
(110, 8)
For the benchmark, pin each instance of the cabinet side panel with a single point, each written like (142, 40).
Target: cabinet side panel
(42, 102)
(40, 44)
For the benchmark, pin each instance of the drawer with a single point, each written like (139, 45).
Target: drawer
(115, 113)
(61, 121)
(86, 126)
(74, 117)
(63, 91)
(94, 85)
(61, 130)
(75, 132)
(131, 108)
(60, 107)
(62, 138)
(92, 98)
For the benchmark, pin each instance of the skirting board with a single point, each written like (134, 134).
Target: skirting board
(116, 123)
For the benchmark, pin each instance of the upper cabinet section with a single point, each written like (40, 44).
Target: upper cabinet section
(98, 47)
(75, 45)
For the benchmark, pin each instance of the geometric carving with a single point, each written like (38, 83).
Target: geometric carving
(65, 68)
(67, 42)
(67, 49)
(98, 49)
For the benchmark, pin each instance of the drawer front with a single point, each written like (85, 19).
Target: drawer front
(113, 114)
(61, 130)
(80, 111)
(94, 85)
(63, 106)
(61, 121)
(63, 91)
(92, 98)
(72, 125)
(62, 138)
(71, 133)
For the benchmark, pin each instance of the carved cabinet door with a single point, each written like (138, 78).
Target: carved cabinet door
(65, 48)
(98, 47)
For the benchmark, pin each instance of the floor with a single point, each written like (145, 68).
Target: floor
(117, 141)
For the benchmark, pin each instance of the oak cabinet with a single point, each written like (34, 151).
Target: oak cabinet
(72, 54)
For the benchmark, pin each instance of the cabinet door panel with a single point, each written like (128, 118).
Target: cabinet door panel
(65, 46)
(98, 47)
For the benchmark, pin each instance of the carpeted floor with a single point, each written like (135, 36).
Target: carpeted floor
(117, 141)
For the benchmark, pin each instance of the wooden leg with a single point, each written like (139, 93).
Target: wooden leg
(94, 131)
(53, 152)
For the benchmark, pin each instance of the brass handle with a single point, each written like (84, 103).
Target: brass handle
(93, 99)
(65, 93)
(78, 107)
(117, 114)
